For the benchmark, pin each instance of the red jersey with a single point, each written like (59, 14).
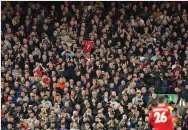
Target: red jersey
(39, 72)
(88, 45)
(47, 81)
(160, 118)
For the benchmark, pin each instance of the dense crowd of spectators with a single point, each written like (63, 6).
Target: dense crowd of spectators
(92, 65)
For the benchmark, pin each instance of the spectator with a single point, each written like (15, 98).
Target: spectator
(91, 65)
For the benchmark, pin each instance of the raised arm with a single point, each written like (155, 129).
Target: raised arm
(63, 53)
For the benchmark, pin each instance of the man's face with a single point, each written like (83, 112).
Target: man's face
(87, 126)
(3, 17)
(186, 87)
(55, 33)
(78, 107)
(87, 76)
(130, 105)
(9, 126)
(133, 59)
(185, 35)
(63, 32)
(123, 82)
(16, 84)
(150, 51)
(92, 38)
(186, 52)
(143, 90)
(27, 22)
(45, 27)
(6, 63)
(12, 92)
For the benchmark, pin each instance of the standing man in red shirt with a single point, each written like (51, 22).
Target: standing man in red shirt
(88, 45)
(160, 117)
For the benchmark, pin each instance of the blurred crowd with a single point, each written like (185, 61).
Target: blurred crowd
(92, 65)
